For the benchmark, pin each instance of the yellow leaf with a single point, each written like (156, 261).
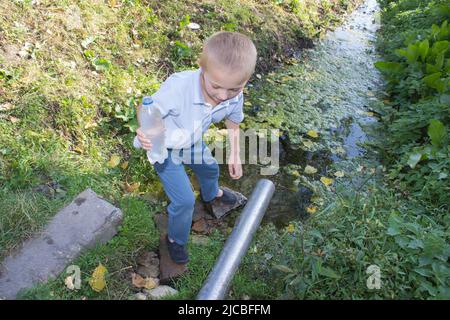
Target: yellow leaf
(311, 209)
(312, 133)
(326, 181)
(258, 76)
(247, 103)
(147, 283)
(370, 93)
(339, 174)
(307, 143)
(290, 228)
(132, 187)
(97, 281)
(124, 165)
(113, 161)
(310, 170)
(370, 114)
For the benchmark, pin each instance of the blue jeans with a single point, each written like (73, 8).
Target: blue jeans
(179, 189)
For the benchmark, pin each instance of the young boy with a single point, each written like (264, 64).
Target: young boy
(189, 102)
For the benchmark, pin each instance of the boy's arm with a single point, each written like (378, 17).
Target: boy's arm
(234, 162)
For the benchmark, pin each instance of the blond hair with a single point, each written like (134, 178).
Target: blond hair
(231, 50)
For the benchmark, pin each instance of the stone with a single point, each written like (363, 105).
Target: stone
(87, 221)
(140, 296)
(200, 226)
(151, 271)
(169, 270)
(161, 292)
(148, 264)
(220, 210)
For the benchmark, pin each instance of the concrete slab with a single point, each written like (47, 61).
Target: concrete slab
(87, 221)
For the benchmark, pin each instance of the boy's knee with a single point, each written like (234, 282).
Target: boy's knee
(187, 201)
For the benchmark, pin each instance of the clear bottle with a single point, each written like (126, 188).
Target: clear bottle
(152, 125)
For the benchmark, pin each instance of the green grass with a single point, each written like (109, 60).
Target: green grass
(67, 104)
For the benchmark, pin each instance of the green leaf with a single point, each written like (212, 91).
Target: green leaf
(434, 81)
(283, 268)
(439, 61)
(437, 133)
(327, 272)
(388, 67)
(101, 64)
(423, 49)
(431, 69)
(438, 47)
(414, 159)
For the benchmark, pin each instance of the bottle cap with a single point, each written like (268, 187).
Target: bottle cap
(147, 100)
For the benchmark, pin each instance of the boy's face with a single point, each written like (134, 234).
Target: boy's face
(220, 84)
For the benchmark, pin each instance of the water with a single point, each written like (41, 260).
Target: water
(334, 83)
(152, 126)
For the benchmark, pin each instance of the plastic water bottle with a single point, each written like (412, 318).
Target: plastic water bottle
(152, 125)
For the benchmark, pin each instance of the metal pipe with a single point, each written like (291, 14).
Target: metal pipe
(219, 279)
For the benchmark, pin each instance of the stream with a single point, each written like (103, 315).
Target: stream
(330, 90)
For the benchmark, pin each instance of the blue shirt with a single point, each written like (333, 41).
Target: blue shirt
(185, 112)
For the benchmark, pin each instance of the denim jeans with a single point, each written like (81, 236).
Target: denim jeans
(179, 189)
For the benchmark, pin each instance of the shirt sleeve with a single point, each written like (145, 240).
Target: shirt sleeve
(237, 114)
(164, 99)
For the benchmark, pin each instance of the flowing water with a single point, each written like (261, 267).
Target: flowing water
(332, 88)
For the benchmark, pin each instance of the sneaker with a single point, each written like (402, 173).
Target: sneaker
(177, 252)
(224, 203)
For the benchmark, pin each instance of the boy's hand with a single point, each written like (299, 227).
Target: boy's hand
(235, 167)
(145, 142)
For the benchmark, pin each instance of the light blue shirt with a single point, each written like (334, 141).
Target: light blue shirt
(186, 114)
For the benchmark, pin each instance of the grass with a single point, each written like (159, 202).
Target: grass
(71, 76)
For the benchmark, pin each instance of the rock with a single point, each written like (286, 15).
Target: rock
(149, 271)
(140, 296)
(161, 292)
(148, 264)
(88, 221)
(219, 209)
(161, 221)
(169, 270)
(200, 226)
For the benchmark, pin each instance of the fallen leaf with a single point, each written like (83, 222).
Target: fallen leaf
(13, 119)
(97, 281)
(140, 282)
(326, 181)
(370, 114)
(69, 283)
(307, 143)
(193, 26)
(312, 133)
(124, 165)
(132, 187)
(339, 174)
(113, 161)
(258, 76)
(311, 209)
(6, 106)
(290, 228)
(310, 170)
(370, 93)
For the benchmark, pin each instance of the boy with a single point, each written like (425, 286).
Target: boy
(189, 102)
